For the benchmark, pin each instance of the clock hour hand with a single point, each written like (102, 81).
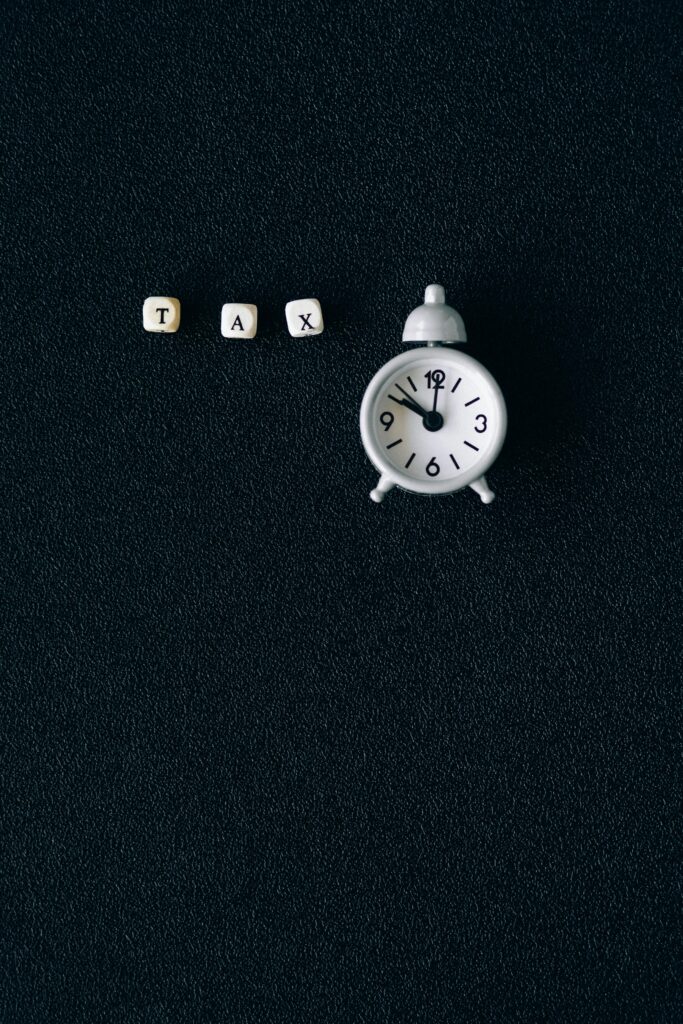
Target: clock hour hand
(410, 402)
(409, 405)
(431, 420)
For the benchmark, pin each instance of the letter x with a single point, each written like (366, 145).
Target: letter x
(306, 317)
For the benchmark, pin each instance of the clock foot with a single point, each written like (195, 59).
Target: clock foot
(385, 484)
(483, 490)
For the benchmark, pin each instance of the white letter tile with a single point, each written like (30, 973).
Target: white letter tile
(304, 318)
(238, 320)
(161, 313)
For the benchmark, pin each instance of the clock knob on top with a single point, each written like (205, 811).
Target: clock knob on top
(434, 322)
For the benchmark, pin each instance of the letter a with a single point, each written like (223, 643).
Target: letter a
(237, 321)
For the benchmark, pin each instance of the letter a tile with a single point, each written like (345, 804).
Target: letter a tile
(238, 320)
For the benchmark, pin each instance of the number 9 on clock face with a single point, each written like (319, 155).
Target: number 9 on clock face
(433, 420)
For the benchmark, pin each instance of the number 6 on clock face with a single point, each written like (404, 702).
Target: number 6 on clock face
(433, 420)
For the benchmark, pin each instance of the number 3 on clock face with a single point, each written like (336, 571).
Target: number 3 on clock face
(433, 420)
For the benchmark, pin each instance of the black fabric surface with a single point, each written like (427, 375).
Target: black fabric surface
(273, 753)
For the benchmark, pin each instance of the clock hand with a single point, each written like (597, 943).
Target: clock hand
(438, 377)
(413, 406)
(411, 403)
(431, 420)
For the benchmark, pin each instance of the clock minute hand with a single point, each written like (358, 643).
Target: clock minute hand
(436, 397)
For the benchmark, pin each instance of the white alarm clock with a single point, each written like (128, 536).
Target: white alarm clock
(433, 420)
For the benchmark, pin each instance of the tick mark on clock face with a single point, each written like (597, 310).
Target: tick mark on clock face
(473, 446)
(453, 460)
(410, 460)
(410, 381)
(472, 402)
(456, 384)
(394, 443)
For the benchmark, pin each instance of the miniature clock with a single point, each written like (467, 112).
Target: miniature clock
(433, 419)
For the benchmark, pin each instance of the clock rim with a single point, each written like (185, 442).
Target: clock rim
(374, 451)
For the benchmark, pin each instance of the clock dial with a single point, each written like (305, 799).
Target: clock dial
(435, 422)
(432, 421)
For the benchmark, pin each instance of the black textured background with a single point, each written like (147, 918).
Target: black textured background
(272, 753)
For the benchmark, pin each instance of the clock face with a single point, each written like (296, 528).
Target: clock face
(433, 419)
